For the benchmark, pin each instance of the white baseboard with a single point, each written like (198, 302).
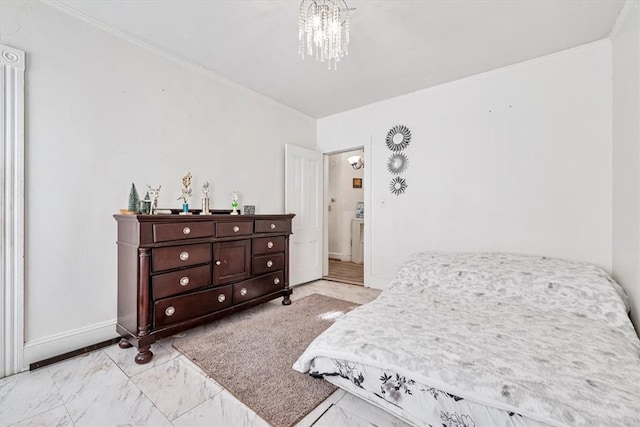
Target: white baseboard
(377, 282)
(54, 345)
(339, 256)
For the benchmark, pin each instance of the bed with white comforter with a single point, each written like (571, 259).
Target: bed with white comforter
(477, 339)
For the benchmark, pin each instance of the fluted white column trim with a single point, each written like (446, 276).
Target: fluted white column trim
(12, 210)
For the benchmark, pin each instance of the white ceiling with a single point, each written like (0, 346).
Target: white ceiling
(396, 47)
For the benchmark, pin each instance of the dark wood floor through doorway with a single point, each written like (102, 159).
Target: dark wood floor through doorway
(346, 272)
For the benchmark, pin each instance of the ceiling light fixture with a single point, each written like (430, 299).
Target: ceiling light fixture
(324, 25)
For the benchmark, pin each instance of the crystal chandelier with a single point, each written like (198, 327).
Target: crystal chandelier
(324, 25)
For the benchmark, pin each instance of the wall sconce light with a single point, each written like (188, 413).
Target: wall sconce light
(356, 162)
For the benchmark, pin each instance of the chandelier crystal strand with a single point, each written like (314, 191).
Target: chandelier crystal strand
(323, 25)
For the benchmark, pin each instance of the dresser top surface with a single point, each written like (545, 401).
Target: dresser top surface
(170, 218)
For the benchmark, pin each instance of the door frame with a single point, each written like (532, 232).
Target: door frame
(366, 188)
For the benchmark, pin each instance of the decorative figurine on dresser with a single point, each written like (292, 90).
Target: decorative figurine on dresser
(177, 272)
(234, 203)
(205, 199)
(155, 194)
(186, 193)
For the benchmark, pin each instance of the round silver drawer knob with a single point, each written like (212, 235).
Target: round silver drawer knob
(276, 281)
(236, 229)
(243, 291)
(186, 230)
(270, 245)
(184, 281)
(269, 263)
(170, 311)
(273, 226)
(221, 298)
(184, 256)
(218, 262)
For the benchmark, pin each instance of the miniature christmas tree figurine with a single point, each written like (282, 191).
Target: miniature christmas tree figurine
(134, 199)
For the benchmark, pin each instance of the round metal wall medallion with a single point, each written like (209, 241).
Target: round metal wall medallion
(397, 163)
(398, 138)
(398, 186)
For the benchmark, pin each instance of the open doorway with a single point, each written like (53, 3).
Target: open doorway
(345, 209)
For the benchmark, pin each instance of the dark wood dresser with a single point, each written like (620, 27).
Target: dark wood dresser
(176, 272)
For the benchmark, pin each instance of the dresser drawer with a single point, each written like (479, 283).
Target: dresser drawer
(235, 228)
(268, 245)
(272, 226)
(177, 282)
(267, 263)
(181, 231)
(180, 256)
(177, 309)
(253, 288)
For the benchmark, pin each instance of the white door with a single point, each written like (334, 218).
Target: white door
(303, 197)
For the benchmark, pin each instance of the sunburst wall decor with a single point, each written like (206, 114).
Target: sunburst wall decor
(398, 138)
(398, 186)
(397, 163)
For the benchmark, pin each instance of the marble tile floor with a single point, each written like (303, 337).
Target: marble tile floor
(106, 388)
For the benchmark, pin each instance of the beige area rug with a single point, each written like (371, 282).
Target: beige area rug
(251, 353)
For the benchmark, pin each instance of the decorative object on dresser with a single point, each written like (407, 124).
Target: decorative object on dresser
(145, 204)
(205, 199)
(234, 203)
(249, 209)
(134, 199)
(186, 193)
(175, 273)
(155, 194)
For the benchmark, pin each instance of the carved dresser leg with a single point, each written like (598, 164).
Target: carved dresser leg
(144, 323)
(286, 300)
(144, 355)
(124, 343)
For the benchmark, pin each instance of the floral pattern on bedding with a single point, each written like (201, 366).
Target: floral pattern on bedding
(546, 338)
(393, 387)
(413, 402)
(457, 420)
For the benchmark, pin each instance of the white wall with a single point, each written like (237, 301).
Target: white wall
(626, 154)
(343, 210)
(517, 159)
(102, 112)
